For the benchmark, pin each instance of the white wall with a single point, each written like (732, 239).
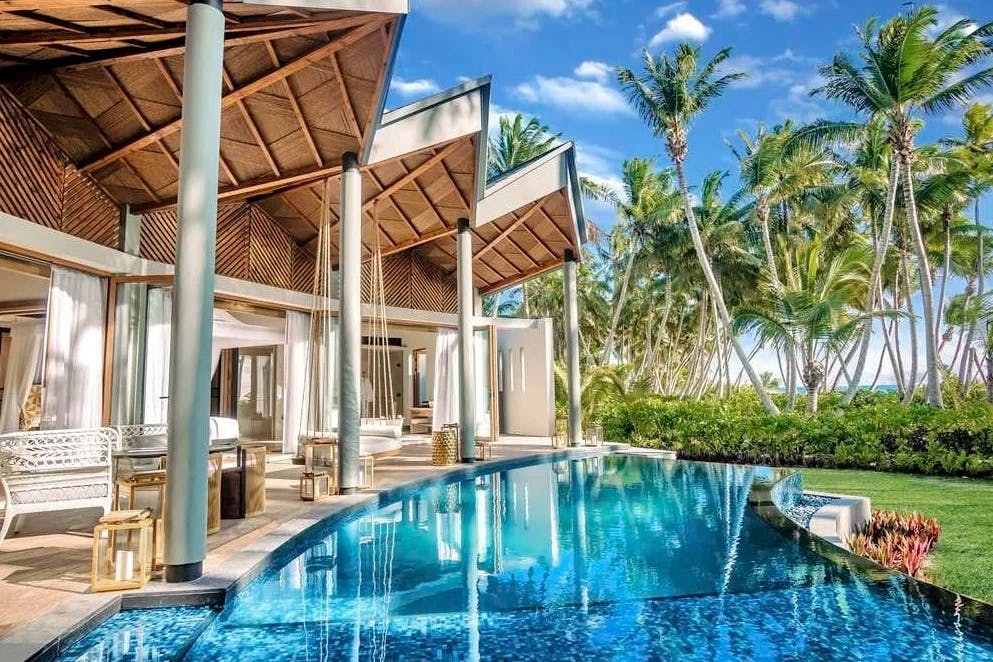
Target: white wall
(527, 401)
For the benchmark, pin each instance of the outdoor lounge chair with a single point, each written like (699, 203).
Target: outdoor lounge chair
(49, 470)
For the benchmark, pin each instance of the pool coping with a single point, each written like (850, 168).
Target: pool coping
(47, 638)
(949, 602)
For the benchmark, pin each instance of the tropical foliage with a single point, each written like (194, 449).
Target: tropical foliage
(830, 238)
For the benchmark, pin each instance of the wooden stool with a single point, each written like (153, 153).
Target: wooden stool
(253, 464)
(215, 464)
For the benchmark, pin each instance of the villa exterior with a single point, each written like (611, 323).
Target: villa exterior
(170, 175)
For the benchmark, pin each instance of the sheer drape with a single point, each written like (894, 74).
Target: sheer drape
(23, 363)
(159, 314)
(445, 408)
(445, 405)
(296, 362)
(77, 312)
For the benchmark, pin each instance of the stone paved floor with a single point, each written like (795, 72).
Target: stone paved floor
(44, 569)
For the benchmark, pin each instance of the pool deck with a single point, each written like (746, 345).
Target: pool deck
(44, 570)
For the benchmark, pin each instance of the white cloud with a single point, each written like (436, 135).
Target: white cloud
(414, 88)
(729, 9)
(598, 71)
(947, 17)
(775, 70)
(480, 13)
(798, 104)
(573, 94)
(781, 10)
(681, 27)
(670, 8)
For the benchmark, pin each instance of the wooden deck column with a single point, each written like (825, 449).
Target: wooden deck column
(193, 295)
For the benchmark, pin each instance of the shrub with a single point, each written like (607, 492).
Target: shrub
(875, 432)
(901, 541)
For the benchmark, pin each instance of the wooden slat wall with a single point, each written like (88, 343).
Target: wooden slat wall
(38, 183)
(431, 288)
(270, 251)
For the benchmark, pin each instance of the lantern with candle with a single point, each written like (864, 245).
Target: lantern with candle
(122, 551)
(314, 485)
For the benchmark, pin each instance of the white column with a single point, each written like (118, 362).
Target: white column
(349, 324)
(467, 355)
(572, 349)
(193, 295)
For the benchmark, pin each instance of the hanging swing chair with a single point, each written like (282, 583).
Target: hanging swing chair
(380, 429)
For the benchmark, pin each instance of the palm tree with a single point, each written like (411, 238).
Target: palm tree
(517, 142)
(816, 315)
(906, 71)
(975, 152)
(648, 198)
(669, 95)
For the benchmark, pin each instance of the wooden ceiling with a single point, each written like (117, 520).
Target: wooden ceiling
(301, 87)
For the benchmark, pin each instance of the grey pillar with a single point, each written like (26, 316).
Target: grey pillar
(467, 356)
(572, 349)
(193, 295)
(349, 324)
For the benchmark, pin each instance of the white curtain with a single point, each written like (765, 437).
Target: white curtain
(77, 313)
(157, 350)
(296, 361)
(23, 363)
(445, 407)
(445, 403)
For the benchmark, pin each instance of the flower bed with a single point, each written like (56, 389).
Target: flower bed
(901, 541)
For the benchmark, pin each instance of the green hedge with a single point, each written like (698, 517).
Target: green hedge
(875, 432)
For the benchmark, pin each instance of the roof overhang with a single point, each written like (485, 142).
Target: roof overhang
(305, 82)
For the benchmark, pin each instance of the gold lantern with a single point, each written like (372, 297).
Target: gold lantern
(319, 455)
(445, 446)
(122, 551)
(314, 485)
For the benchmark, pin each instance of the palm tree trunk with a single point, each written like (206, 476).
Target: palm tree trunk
(945, 268)
(715, 290)
(981, 282)
(934, 397)
(791, 380)
(608, 345)
(882, 242)
(912, 382)
(763, 213)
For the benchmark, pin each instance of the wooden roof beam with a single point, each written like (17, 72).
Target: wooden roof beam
(236, 95)
(413, 174)
(135, 16)
(521, 277)
(71, 33)
(295, 106)
(507, 231)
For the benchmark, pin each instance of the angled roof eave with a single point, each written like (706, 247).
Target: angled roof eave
(435, 120)
(376, 6)
(530, 182)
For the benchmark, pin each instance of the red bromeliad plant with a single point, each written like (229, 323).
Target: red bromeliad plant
(901, 541)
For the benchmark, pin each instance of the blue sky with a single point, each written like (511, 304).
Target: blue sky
(555, 58)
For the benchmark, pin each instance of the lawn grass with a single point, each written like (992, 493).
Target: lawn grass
(963, 559)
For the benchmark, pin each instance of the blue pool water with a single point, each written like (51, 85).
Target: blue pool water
(620, 557)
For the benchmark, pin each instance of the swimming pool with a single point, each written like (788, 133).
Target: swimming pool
(621, 557)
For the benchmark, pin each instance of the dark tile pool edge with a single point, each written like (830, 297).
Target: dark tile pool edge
(949, 602)
(215, 591)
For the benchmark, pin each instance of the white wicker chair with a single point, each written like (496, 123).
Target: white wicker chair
(48, 470)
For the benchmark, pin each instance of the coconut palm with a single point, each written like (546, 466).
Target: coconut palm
(975, 152)
(648, 199)
(518, 141)
(817, 314)
(904, 72)
(670, 93)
